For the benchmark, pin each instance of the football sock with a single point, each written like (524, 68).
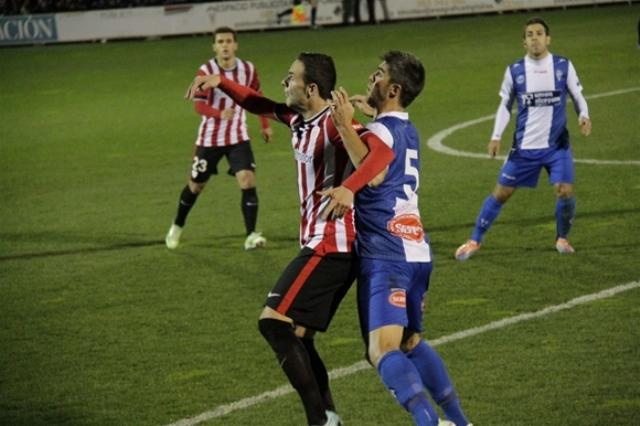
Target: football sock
(400, 376)
(294, 360)
(187, 200)
(314, 12)
(250, 209)
(488, 213)
(320, 372)
(436, 379)
(565, 211)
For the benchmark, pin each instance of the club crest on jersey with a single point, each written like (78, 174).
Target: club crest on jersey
(398, 298)
(407, 227)
(520, 79)
(559, 75)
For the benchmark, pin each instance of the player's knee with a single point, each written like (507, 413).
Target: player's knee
(502, 193)
(273, 329)
(564, 190)
(196, 187)
(246, 179)
(377, 352)
(410, 342)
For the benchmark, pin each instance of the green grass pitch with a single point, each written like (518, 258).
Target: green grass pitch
(101, 325)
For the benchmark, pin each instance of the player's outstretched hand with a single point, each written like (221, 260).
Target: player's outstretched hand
(341, 109)
(341, 202)
(493, 148)
(360, 102)
(202, 83)
(585, 125)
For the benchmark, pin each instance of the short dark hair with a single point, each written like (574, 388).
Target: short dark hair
(225, 30)
(407, 71)
(533, 21)
(320, 70)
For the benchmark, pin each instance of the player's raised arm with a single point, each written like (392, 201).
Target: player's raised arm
(342, 115)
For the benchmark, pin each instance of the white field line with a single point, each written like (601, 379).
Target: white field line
(435, 141)
(242, 404)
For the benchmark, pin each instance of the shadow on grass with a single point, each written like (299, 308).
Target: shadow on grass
(107, 244)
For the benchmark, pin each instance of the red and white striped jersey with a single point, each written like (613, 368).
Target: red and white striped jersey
(216, 131)
(322, 162)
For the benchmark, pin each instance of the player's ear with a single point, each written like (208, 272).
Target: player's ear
(394, 90)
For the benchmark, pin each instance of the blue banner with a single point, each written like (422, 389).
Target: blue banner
(28, 29)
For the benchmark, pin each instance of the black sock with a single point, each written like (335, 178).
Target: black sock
(320, 372)
(314, 12)
(294, 360)
(250, 209)
(187, 200)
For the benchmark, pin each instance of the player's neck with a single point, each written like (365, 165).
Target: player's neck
(315, 106)
(389, 107)
(226, 64)
(540, 56)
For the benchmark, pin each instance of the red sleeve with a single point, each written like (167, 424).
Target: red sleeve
(334, 136)
(255, 85)
(379, 157)
(250, 99)
(200, 95)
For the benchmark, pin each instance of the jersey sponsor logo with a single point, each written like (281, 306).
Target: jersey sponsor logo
(541, 99)
(407, 227)
(303, 158)
(398, 298)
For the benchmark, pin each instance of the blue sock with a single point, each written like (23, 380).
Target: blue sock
(400, 376)
(436, 379)
(488, 213)
(565, 211)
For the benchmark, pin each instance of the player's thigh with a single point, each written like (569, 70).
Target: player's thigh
(519, 172)
(205, 163)
(240, 157)
(560, 167)
(383, 289)
(415, 296)
(311, 288)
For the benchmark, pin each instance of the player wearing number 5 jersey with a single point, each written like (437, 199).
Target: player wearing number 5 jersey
(223, 133)
(394, 251)
(540, 83)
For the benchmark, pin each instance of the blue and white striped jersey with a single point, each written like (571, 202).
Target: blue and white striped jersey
(387, 217)
(540, 88)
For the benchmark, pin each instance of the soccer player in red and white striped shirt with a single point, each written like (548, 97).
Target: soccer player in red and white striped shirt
(223, 132)
(307, 294)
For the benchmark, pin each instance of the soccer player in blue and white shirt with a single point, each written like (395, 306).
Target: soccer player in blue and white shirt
(540, 83)
(394, 251)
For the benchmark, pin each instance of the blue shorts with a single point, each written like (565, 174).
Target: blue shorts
(391, 293)
(520, 171)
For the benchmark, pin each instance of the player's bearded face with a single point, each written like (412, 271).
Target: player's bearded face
(378, 85)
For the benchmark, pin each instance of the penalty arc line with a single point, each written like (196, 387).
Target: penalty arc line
(435, 141)
(245, 403)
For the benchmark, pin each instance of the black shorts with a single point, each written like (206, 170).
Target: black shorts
(206, 159)
(312, 286)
